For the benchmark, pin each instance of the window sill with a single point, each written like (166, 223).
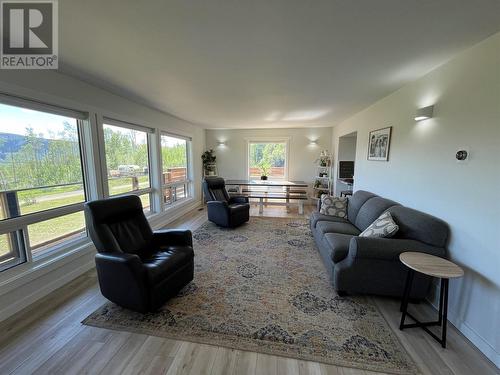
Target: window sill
(179, 204)
(24, 273)
(29, 271)
(171, 212)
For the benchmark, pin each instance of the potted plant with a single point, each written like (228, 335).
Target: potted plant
(265, 168)
(324, 159)
(208, 158)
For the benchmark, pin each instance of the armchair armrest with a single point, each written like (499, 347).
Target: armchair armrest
(388, 248)
(238, 199)
(124, 261)
(217, 205)
(175, 237)
(122, 279)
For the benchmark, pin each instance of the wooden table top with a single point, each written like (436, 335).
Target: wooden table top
(267, 183)
(431, 265)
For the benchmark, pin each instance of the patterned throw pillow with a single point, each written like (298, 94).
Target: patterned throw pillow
(383, 227)
(333, 206)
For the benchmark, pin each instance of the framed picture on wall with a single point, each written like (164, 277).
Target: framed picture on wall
(378, 144)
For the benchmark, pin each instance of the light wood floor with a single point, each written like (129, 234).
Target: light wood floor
(48, 338)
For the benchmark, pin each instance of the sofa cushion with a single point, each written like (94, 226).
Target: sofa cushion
(416, 225)
(316, 217)
(371, 210)
(339, 245)
(355, 202)
(333, 206)
(336, 227)
(383, 227)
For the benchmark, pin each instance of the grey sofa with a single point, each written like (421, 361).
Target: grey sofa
(362, 265)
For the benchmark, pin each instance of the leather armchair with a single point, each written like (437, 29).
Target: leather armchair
(137, 268)
(224, 210)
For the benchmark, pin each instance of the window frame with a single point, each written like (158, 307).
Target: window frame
(20, 223)
(92, 156)
(15, 257)
(150, 140)
(285, 140)
(189, 176)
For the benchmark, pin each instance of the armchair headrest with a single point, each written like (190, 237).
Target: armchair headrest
(214, 183)
(105, 210)
(118, 224)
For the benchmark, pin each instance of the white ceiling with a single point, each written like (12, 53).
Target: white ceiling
(264, 63)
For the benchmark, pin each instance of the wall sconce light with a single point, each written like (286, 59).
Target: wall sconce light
(424, 113)
(221, 143)
(313, 142)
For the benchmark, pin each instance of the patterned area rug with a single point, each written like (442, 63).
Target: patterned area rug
(262, 287)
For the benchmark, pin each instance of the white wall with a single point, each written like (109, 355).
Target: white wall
(20, 288)
(422, 173)
(232, 158)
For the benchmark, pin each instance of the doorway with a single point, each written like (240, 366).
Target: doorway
(346, 158)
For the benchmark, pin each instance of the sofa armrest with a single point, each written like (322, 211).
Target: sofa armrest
(174, 237)
(238, 199)
(388, 248)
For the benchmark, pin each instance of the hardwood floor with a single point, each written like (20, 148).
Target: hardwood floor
(48, 338)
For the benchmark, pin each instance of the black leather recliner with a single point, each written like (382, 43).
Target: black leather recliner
(224, 210)
(137, 268)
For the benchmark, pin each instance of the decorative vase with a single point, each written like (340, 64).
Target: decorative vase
(263, 178)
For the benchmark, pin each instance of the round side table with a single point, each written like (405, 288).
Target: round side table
(432, 266)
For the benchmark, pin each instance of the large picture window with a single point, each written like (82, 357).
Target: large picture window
(175, 168)
(41, 180)
(127, 160)
(54, 159)
(268, 158)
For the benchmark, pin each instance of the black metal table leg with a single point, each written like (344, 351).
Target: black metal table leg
(405, 289)
(441, 295)
(444, 308)
(443, 311)
(406, 297)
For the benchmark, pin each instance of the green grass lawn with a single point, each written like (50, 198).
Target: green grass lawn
(36, 193)
(123, 184)
(4, 244)
(48, 230)
(52, 203)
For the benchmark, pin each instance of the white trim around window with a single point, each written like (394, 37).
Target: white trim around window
(35, 105)
(285, 140)
(92, 148)
(187, 183)
(152, 163)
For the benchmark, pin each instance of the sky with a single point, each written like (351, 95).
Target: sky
(15, 120)
(167, 141)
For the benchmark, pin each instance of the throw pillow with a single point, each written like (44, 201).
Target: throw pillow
(333, 206)
(383, 226)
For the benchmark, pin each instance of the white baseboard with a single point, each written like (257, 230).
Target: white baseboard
(15, 288)
(42, 291)
(167, 217)
(476, 339)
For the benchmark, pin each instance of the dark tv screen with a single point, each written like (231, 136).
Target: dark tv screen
(346, 169)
